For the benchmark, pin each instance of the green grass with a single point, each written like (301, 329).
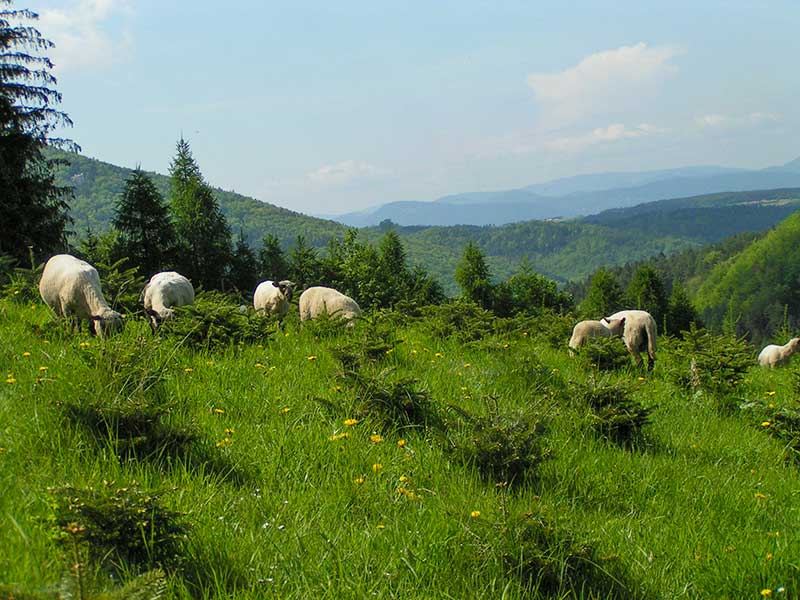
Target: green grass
(703, 506)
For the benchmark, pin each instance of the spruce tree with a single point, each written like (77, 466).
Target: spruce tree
(604, 296)
(272, 261)
(304, 263)
(472, 275)
(646, 292)
(681, 312)
(244, 266)
(33, 207)
(203, 233)
(142, 218)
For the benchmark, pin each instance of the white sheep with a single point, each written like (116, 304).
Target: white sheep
(273, 297)
(71, 287)
(164, 291)
(774, 355)
(316, 301)
(638, 330)
(584, 330)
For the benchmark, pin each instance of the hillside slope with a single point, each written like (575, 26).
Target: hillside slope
(756, 286)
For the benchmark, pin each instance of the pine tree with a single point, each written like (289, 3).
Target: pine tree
(681, 312)
(34, 208)
(304, 263)
(472, 275)
(142, 217)
(604, 296)
(203, 233)
(646, 292)
(272, 261)
(244, 266)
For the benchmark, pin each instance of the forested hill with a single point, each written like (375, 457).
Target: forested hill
(561, 250)
(98, 184)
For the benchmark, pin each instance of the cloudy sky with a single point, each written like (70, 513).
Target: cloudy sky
(326, 107)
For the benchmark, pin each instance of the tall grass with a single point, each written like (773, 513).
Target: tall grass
(292, 485)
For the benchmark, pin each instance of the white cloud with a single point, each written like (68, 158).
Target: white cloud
(343, 173)
(718, 121)
(602, 135)
(605, 80)
(83, 36)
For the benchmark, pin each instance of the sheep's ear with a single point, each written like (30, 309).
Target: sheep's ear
(276, 284)
(622, 321)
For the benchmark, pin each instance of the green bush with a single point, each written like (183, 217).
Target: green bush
(614, 414)
(505, 449)
(123, 526)
(462, 320)
(604, 354)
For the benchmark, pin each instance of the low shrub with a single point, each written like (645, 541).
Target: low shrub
(604, 354)
(614, 414)
(505, 449)
(462, 320)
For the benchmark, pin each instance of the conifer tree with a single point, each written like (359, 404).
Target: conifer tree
(681, 312)
(472, 275)
(244, 266)
(604, 296)
(203, 233)
(142, 217)
(33, 207)
(304, 263)
(272, 261)
(646, 292)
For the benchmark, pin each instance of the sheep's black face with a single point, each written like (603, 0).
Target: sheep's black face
(287, 289)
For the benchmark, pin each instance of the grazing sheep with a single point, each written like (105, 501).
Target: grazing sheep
(316, 301)
(162, 292)
(273, 297)
(774, 355)
(638, 330)
(71, 287)
(585, 330)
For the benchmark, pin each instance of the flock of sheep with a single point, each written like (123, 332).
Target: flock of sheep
(71, 288)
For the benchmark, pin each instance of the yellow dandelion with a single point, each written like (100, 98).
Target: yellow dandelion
(390, 350)
(467, 365)
(760, 496)
(188, 370)
(769, 555)
(413, 352)
(229, 430)
(286, 334)
(350, 422)
(401, 443)
(359, 480)
(312, 357)
(224, 442)
(375, 438)
(505, 345)
(403, 478)
(337, 388)
(84, 345)
(439, 355)
(339, 436)
(259, 366)
(377, 467)
(11, 379)
(210, 363)
(381, 526)
(43, 368)
(475, 514)
(285, 409)
(219, 411)
(766, 592)
(640, 379)
(770, 393)
(26, 354)
(765, 424)
(3, 450)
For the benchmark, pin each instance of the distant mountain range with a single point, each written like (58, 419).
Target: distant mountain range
(575, 196)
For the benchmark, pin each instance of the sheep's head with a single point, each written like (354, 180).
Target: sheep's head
(615, 326)
(286, 288)
(110, 321)
(794, 343)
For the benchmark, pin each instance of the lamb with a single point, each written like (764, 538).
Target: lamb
(71, 288)
(164, 291)
(638, 330)
(774, 355)
(316, 301)
(585, 330)
(273, 297)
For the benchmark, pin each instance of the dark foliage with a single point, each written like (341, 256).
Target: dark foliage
(604, 354)
(614, 414)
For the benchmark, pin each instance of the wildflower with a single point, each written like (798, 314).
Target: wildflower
(312, 357)
(505, 345)
(350, 422)
(285, 409)
(10, 379)
(359, 480)
(377, 467)
(467, 365)
(3, 450)
(188, 370)
(766, 592)
(770, 393)
(375, 438)
(83, 345)
(26, 354)
(259, 366)
(403, 478)
(752, 471)
(381, 526)
(769, 555)
(401, 443)
(219, 411)
(210, 363)
(229, 430)
(43, 368)
(339, 436)
(765, 424)
(413, 352)
(337, 388)
(760, 496)
(410, 494)
(224, 442)
(475, 514)
(390, 350)
(640, 379)
(439, 355)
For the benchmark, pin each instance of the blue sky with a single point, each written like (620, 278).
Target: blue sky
(327, 107)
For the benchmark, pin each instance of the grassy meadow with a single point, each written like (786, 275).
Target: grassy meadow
(405, 457)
